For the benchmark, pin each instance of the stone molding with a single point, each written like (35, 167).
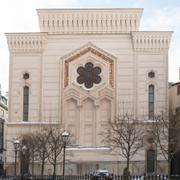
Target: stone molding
(26, 42)
(96, 97)
(151, 40)
(89, 47)
(82, 21)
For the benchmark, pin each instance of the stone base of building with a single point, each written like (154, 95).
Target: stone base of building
(83, 168)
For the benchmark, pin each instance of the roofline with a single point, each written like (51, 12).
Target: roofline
(57, 9)
(24, 33)
(154, 31)
(174, 84)
(4, 106)
(47, 33)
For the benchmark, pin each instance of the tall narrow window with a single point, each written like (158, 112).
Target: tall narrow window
(25, 103)
(150, 160)
(151, 101)
(1, 136)
(178, 90)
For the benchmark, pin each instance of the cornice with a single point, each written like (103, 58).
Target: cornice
(80, 21)
(21, 123)
(151, 40)
(26, 42)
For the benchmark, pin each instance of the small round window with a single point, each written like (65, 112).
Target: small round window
(26, 76)
(151, 74)
(88, 75)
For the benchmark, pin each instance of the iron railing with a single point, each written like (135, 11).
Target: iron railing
(90, 177)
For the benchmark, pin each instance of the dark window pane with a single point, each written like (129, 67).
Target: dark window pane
(150, 161)
(80, 79)
(89, 66)
(151, 89)
(178, 90)
(151, 97)
(80, 70)
(88, 75)
(25, 103)
(26, 76)
(151, 74)
(97, 79)
(88, 84)
(151, 101)
(97, 70)
(1, 136)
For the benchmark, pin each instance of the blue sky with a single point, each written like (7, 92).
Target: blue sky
(20, 16)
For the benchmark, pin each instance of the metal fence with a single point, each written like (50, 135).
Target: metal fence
(90, 177)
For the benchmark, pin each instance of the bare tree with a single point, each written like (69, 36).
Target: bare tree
(42, 143)
(124, 134)
(55, 146)
(29, 140)
(165, 131)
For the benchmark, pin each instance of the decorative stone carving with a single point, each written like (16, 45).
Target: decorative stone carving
(72, 21)
(26, 42)
(88, 75)
(89, 47)
(151, 40)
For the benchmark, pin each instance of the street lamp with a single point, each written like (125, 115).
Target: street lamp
(23, 160)
(65, 136)
(16, 147)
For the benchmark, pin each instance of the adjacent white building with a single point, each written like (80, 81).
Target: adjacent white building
(3, 123)
(84, 67)
(174, 107)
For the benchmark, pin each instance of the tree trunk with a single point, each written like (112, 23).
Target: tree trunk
(54, 173)
(128, 159)
(33, 164)
(54, 166)
(42, 165)
(127, 165)
(169, 169)
(42, 168)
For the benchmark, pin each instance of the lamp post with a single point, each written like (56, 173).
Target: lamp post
(16, 147)
(23, 160)
(65, 136)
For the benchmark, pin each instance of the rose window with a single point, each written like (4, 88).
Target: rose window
(89, 75)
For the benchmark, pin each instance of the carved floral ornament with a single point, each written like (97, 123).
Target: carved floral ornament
(88, 75)
(94, 71)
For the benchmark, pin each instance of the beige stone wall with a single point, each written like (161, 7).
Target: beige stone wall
(51, 58)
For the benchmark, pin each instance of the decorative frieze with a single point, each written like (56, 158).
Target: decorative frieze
(74, 21)
(26, 42)
(154, 40)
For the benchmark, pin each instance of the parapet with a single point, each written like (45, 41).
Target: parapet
(89, 21)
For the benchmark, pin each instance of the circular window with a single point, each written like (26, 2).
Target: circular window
(88, 75)
(151, 74)
(26, 76)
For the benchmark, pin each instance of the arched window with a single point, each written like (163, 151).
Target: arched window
(25, 103)
(151, 101)
(150, 161)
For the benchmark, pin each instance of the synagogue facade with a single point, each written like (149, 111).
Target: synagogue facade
(83, 68)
